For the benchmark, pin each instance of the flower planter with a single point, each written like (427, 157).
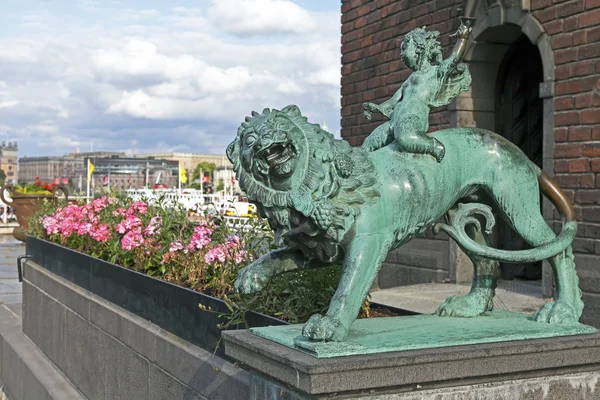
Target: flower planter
(25, 206)
(173, 308)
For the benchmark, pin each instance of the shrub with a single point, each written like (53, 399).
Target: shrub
(202, 253)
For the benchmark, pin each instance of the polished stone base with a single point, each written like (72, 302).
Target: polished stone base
(564, 367)
(380, 335)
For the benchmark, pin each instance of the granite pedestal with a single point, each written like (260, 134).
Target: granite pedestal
(566, 367)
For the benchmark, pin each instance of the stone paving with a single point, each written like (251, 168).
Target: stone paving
(10, 288)
(426, 297)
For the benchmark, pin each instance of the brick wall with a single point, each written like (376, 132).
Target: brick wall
(575, 30)
(372, 31)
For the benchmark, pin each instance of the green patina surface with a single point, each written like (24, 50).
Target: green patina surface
(379, 335)
(329, 203)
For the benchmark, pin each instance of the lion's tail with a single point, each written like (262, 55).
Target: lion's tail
(466, 213)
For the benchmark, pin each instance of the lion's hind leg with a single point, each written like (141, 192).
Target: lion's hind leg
(568, 306)
(521, 209)
(480, 297)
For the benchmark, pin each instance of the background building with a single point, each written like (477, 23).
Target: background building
(48, 168)
(124, 172)
(227, 176)
(8, 161)
(132, 173)
(536, 80)
(190, 160)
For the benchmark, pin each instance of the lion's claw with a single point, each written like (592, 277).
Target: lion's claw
(556, 312)
(324, 328)
(251, 280)
(471, 305)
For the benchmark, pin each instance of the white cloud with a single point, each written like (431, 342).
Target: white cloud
(327, 76)
(253, 17)
(164, 78)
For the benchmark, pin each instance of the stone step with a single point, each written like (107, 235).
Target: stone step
(425, 298)
(25, 372)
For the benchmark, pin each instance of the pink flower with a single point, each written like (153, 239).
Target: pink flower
(83, 228)
(235, 241)
(216, 253)
(176, 246)
(165, 259)
(100, 233)
(130, 222)
(51, 225)
(118, 211)
(240, 256)
(153, 227)
(138, 206)
(200, 238)
(100, 203)
(132, 239)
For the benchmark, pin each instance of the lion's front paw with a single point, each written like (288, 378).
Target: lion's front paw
(252, 279)
(324, 328)
(471, 305)
(557, 312)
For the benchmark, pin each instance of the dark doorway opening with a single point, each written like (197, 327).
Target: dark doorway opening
(520, 119)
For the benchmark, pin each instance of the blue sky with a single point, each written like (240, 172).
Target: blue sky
(145, 76)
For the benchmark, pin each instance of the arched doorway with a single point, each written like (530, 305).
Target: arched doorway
(506, 40)
(519, 118)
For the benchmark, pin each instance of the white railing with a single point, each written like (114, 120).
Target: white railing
(7, 213)
(236, 212)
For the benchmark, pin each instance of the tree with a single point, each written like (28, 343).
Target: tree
(205, 166)
(220, 185)
(2, 175)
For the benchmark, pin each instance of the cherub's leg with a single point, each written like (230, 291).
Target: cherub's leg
(363, 259)
(257, 275)
(485, 276)
(410, 132)
(380, 137)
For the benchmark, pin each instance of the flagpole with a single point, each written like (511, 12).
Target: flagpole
(92, 179)
(88, 180)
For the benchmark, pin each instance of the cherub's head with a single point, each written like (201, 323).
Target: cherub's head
(420, 48)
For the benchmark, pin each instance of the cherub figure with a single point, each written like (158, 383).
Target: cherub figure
(434, 83)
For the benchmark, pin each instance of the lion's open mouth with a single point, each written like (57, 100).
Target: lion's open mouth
(278, 154)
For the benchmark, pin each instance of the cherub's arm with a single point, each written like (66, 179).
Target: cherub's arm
(384, 108)
(463, 33)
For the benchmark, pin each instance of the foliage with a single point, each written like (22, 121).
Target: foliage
(203, 253)
(35, 188)
(220, 185)
(205, 167)
(2, 175)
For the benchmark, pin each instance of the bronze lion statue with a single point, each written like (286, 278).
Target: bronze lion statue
(328, 202)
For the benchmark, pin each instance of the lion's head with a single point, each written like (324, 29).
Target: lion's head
(272, 148)
(309, 185)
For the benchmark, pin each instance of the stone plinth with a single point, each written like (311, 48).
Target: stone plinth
(382, 335)
(552, 368)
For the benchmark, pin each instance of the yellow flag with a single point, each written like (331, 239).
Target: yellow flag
(90, 171)
(182, 175)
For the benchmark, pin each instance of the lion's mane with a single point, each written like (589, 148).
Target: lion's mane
(316, 215)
